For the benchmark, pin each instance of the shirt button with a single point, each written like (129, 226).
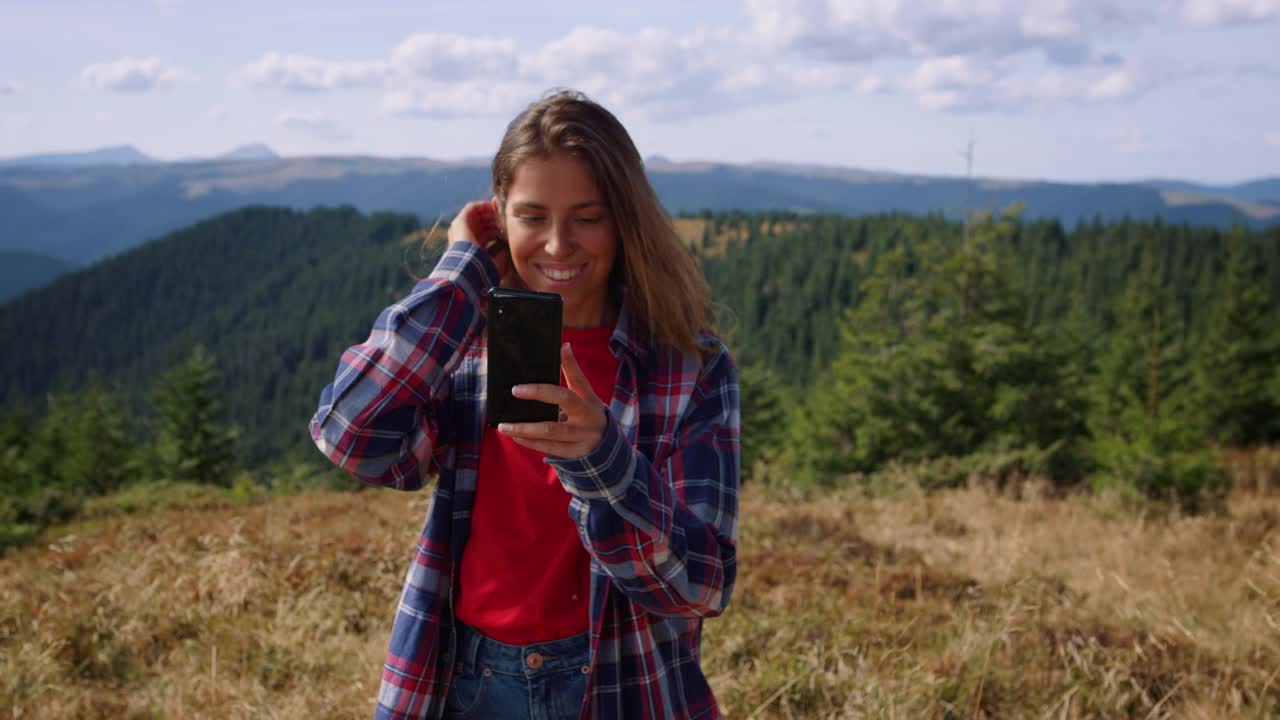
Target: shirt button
(534, 661)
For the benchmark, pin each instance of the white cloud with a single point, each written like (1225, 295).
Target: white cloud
(301, 73)
(1229, 12)
(445, 57)
(1065, 32)
(664, 75)
(9, 88)
(953, 83)
(862, 30)
(131, 75)
(975, 84)
(989, 55)
(455, 99)
(315, 124)
(1272, 138)
(442, 74)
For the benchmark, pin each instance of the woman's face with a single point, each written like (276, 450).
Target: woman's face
(561, 236)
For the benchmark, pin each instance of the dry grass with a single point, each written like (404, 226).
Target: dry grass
(963, 604)
(693, 230)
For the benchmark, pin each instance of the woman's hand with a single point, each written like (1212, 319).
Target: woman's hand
(582, 414)
(477, 222)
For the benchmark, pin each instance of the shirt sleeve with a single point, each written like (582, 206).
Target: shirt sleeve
(667, 532)
(379, 419)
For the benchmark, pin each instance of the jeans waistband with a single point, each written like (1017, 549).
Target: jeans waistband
(477, 650)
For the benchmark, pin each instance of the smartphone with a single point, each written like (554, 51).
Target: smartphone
(523, 337)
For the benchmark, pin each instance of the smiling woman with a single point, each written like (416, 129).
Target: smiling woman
(560, 236)
(565, 567)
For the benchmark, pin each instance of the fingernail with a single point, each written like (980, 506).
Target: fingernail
(519, 390)
(504, 428)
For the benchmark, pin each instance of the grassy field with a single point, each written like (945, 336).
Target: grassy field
(965, 604)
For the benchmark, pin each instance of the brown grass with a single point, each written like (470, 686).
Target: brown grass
(964, 604)
(692, 231)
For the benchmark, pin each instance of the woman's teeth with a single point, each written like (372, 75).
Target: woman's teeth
(561, 275)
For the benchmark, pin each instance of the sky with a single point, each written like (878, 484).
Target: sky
(1080, 90)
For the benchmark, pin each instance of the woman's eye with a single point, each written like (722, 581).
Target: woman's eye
(591, 220)
(529, 219)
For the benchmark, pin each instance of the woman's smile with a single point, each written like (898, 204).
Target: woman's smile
(561, 275)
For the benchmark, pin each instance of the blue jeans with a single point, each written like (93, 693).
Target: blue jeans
(542, 681)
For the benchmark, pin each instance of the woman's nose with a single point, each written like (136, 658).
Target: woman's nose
(559, 243)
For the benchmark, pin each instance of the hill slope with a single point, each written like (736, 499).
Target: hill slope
(276, 294)
(844, 606)
(21, 271)
(259, 287)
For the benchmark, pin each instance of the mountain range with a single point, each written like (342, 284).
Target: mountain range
(81, 207)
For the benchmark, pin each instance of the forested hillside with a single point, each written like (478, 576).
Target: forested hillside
(21, 270)
(786, 280)
(273, 294)
(1123, 354)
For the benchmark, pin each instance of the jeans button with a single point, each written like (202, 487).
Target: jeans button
(534, 661)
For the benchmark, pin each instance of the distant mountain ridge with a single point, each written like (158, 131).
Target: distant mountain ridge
(254, 151)
(1263, 191)
(57, 205)
(114, 155)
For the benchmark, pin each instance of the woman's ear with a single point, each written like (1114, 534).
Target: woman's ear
(497, 214)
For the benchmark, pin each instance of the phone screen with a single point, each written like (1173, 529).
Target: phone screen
(523, 337)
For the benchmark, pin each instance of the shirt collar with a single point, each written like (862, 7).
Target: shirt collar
(629, 334)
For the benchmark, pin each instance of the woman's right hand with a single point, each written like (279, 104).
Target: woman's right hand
(477, 222)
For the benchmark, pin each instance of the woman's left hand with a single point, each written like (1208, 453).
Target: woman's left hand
(582, 414)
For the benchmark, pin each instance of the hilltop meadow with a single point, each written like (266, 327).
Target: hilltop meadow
(965, 603)
(993, 469)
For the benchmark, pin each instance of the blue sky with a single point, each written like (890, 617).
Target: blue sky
(1085, 90)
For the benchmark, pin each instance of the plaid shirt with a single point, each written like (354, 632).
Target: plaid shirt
(655, 504)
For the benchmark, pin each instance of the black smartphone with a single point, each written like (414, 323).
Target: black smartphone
(523, 338)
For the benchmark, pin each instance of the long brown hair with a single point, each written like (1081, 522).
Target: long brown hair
(666, 292)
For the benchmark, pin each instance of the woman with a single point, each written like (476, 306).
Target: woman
(565, 567)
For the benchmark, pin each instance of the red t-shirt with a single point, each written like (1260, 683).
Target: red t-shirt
(525, 576)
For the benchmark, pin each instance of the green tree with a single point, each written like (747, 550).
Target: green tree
(96, 452)
(938, 361)
(763, 417)
(1138, 419)
(192, 440)
(1237, 357)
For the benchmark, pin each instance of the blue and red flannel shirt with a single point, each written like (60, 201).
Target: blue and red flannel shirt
(655, 504)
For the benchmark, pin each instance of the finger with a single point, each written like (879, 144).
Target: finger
(574, 377)
(556, 431)
(481, 221)
(567, 399)
(550, 447)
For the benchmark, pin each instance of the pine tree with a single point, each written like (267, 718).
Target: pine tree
(763, 421)
(192, 441)
(938, 361)
(1237, 357)
(1141, 438)
(97, 451)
